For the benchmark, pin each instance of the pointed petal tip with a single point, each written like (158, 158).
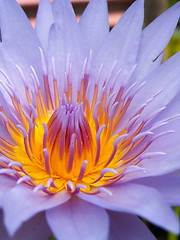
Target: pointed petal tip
(140, 2)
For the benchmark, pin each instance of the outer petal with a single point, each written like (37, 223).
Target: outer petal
(72, 39)
(78, 219)
(121, 44)
(27, 205)
(154, 39)
(9, 76)
(59, 6)
(94, 23)
(168, 143)
(167, 185)
(137, 199)
(44, 20)
(34, 229)
(65, 46)
(6, 183)
(163, 81)
(18, 37)
(171, 116)
(127, 227)
(4, 133)
(155, 166)
(161, 164)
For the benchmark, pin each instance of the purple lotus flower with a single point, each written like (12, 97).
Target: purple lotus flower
(90, 123)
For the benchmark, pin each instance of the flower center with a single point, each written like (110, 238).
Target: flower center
(76, 144)
(69, 140)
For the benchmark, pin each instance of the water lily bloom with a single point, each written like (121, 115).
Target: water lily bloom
(90, 123)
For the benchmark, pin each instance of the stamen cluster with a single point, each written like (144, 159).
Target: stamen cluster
(76, 144)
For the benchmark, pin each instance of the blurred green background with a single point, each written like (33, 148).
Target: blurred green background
(174, 44)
